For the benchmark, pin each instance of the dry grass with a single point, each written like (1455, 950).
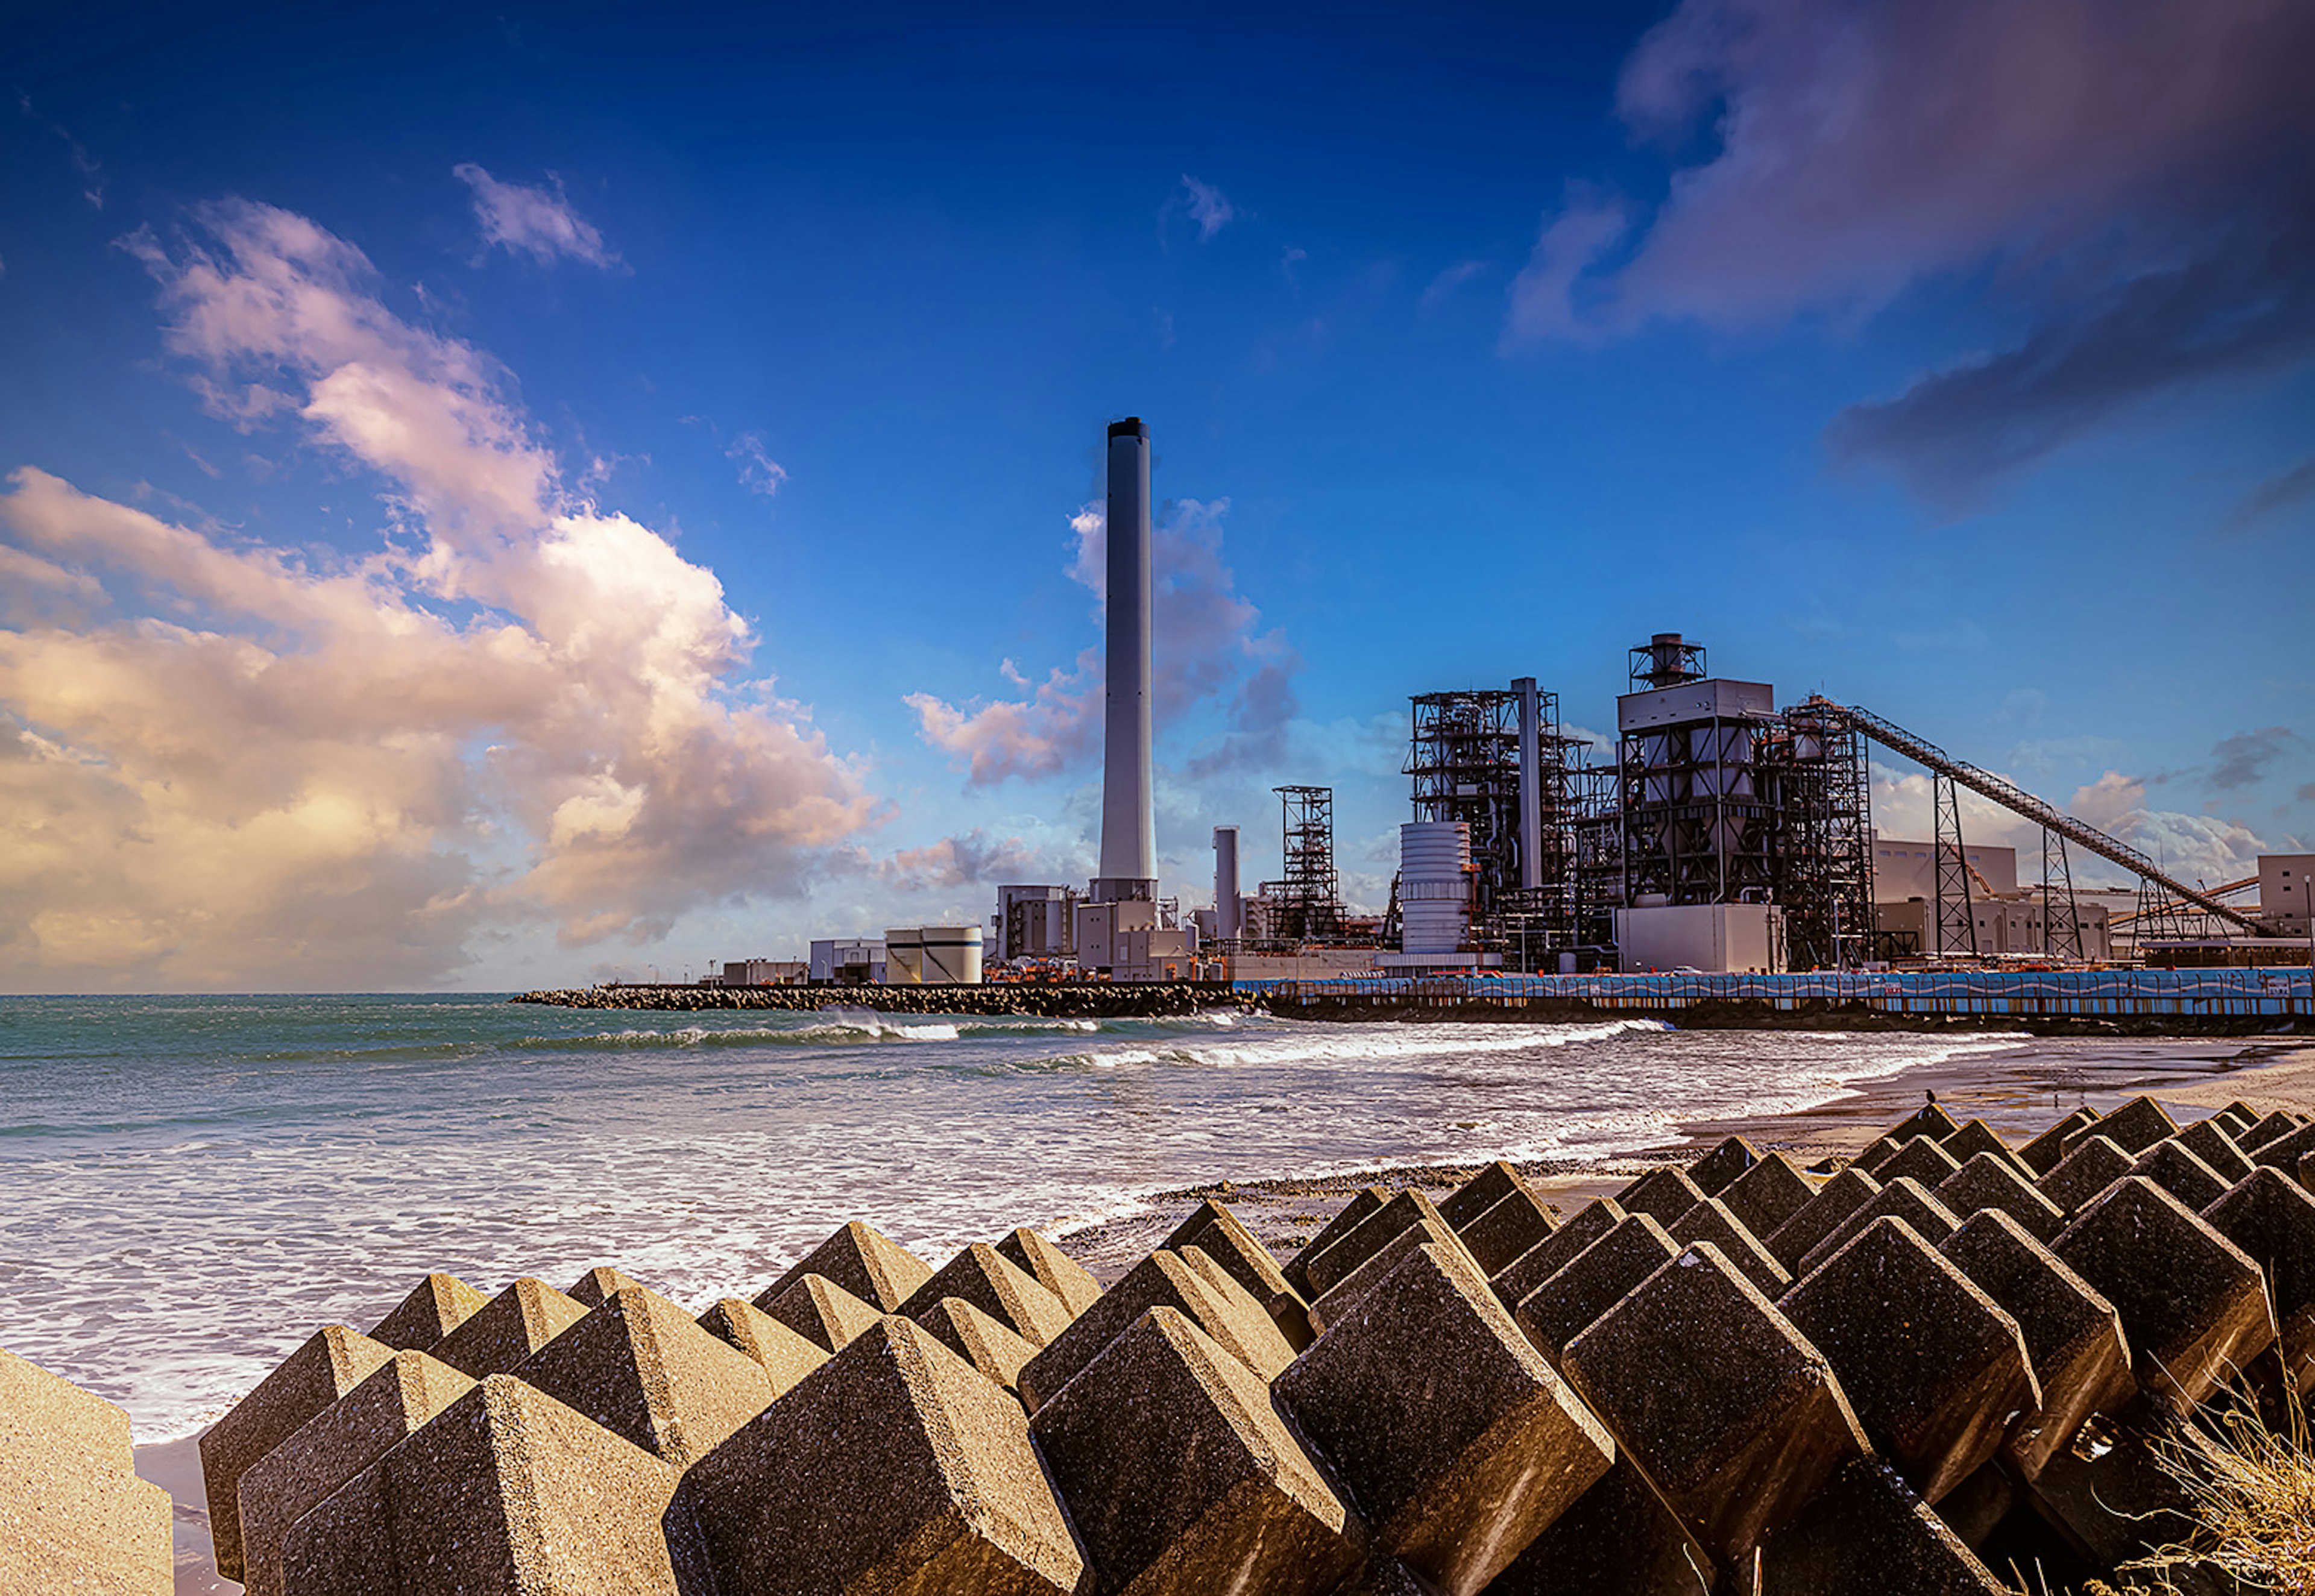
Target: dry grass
(2253, 1488)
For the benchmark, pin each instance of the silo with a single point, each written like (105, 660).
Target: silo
(904, 957)
(1230, 909)
(951, 954)
(1434, 885)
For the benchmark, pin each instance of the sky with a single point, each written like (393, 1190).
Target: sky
(493, 499)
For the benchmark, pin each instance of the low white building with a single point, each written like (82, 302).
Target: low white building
(2286, 891)
(1705, 937)
(764, 973)
(853, 959)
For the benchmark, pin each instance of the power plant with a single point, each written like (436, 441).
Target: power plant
(1723, 834)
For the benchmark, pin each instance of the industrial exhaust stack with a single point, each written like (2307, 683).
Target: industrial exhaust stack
(1129, 832)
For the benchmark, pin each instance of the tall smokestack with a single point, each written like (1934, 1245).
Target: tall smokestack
(1129, 830)
(1228, 907)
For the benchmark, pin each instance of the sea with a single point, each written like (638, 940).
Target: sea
(190, 1186)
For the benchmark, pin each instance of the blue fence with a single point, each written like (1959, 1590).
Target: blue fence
(2281, 993)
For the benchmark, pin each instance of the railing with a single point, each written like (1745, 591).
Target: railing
(2280, 992)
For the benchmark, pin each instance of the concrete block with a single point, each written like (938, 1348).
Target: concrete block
(331, 1362)
(1933, 1368)
(1498, 1237)
(598, 1284)
(1766, 1195)
(2137, 1125)
(504, 1492)
(1240, 1302)
(874, 1268)
(1598, 1278)
(894, 1468)
(989, 1280)
(1617, 1539)
(2272, 1220)
(1343, 1297)
(979, 1339)
(1929, 1119)
(436, 1305)
(2073, 1337)
(1364, 1205)
(1481, 1193)
(2208, 1140)
(1903, 1199)
(74, 1516)
(1402, 1213)
(782, 1355)
(1840, 1197)
(1711, 1221)
(1182, 1480)
(2269, 1126)
(1732, 1417)
(643, 1369)
(1052, 1269)
(1215, 1231)
(1877, 1151)
(2307, 1171)
(1548, 1256)
(1867, 1531)
(509, 1328)
(2285, 1152)
(2236, 1117)
(1713, 1172)
(1381, 1575)
(820, 1311)
(2115, 1501)
(2042, 1153)
(1664, 1194)
(1162, 1280)
(1978, 1137)
(2171, 1167)
(1919, 1159)
(2194, 1307)
(1988, 1181)
(1452, 1434)
(2091, 1166)
(329, 1449)
(1975, 1508)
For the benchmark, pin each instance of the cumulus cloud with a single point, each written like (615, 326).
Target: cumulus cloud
(538, 222)
(759, 471)
(263, 766)
(1209, 649)
(2134, 172)
(1208, 206)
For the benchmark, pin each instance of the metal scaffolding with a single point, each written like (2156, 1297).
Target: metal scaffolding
(1824, 845)
(1309, 904)
(1463, 760)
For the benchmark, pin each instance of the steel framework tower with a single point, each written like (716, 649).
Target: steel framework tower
(1465, 760)
(1310, 905)
(1825, 852)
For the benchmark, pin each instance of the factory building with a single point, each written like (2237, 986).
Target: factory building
(1035, 923)
(2286, 891)
(763, 972)
(2005, 920)
(849, 961)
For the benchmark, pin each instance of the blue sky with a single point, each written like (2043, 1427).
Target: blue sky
(499, 501)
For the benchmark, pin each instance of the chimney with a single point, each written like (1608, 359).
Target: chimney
(1228, 907)
(1129, 832)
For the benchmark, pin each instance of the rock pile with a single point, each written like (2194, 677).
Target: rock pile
(1952, 1357)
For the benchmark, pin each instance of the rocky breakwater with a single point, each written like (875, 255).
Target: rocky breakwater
(1059, 1000)
(1951, 1358)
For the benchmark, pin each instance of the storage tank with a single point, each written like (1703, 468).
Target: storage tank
(1434, 885)
(1228, 918)
(904, 957)
(949, 954)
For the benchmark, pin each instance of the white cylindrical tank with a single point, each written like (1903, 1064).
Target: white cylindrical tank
(951, 954)
(1434, 885)
(904, 957)
(1228, 920)
(1129, 833)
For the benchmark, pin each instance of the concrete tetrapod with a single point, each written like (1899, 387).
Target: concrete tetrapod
(986, 1278)
(1481, 1193)
(2170, 1165)
(1364, 1204)
(1732, 1417)
(2091, 1166)
(894, 1468)
(1713, 1172)
(1665, 1195)
(1618, 1539)
(1919, 1159)
(1868, 1531)
(504, 1492)
(1182, 1480)
(1766, 1195)
(436, 1305)
(782, 1355)
(872, 1266)
(1978, 1137)
(1454, 1438)
(1052, 1269)
(1903, 1198)
(979, 1339)
(71, 1506)
(643, 1370)
(1823, 1213)
(1987, 1181)
(1548, 1256)
(2042, 1153)
(2194, 1307)
(820, 1311)
(1162, 1280)
(331, 1362)
(598, 1282)
(1498, 1237)
(1711, 1221)
(2272, 1218)
(1406, 1211)
(2073, 1337)
(2137, 1125)
(1215, 1231)
(1345, 1295)
(329, 1449)
(1594, 1282)
(1933, 1368)
(509, 1328)
(2208, 1140)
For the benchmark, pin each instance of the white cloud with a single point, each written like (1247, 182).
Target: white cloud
(535, 221)
(759, 471)
(267, 768)
(1209, 207)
